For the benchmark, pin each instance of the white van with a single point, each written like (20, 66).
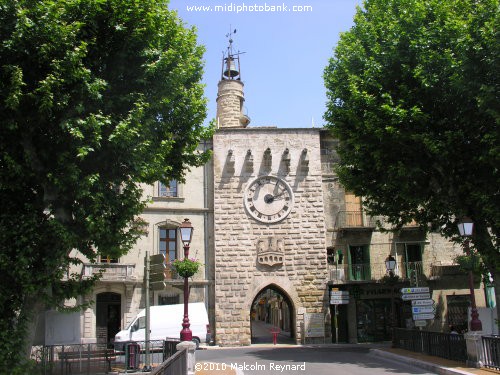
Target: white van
(166, 322)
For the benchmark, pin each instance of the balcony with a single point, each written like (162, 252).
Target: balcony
(354, 220)
(439, 270)
(110, 271)
(346, 273)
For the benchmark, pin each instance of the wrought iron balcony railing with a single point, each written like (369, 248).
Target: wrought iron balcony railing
(344, 273)
(354, 220)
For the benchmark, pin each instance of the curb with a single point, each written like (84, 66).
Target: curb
(419, 363)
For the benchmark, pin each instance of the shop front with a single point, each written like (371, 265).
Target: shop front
(373, 311)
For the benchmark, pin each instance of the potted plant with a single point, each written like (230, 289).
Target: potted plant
(186, 267)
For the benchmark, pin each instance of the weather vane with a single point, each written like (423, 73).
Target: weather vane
(230, 60)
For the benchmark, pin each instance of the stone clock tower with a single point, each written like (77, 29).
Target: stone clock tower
(269, 216)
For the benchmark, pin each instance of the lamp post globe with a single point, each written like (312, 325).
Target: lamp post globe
(390, 265)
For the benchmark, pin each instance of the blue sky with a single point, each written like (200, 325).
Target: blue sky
(285, 53)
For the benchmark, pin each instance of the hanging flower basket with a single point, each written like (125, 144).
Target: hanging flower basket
(185, 267)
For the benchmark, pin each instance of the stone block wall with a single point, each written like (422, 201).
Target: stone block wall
(239, 277)
(229, 103)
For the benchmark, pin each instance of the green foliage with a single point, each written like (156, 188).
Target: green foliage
(96, 96)
(390, 279)
(413, 98)
(468, 263)
(185, 267)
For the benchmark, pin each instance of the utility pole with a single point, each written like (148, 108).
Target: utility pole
(147, 365)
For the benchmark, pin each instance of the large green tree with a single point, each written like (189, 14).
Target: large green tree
(413, 96)
(96, 96)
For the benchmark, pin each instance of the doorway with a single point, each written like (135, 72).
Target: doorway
(375, 319)
(108, 317)
(270, 310)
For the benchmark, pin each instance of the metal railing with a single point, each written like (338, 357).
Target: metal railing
(374, 271)
(444, 345)
(360, 271)
(491, 351)
(175, 365)
(439, 270)
(354, 219)
(98, 358)
(412, 270)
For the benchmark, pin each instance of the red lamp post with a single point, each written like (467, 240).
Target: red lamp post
(465, 227)
(186, 232)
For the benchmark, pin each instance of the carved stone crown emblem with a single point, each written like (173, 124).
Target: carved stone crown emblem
(270, 251)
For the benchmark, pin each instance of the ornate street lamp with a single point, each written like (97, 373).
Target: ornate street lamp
(186, 232)
(466, 227)
(390, 265)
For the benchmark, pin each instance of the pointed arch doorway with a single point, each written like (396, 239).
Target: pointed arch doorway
(272, 308)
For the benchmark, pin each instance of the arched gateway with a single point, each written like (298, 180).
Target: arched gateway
(272, 309)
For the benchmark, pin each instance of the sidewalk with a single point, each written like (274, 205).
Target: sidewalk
(429, 363)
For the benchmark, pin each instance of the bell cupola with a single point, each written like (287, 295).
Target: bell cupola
(230, 97)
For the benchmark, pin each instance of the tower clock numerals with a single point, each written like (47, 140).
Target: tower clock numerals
(268, 199)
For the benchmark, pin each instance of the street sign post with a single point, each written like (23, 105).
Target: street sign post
(423, 309)
(339, 301)
(156, 277)
(343, 293)
(339, 297)
(409, 297)
(157, 259)
(424, 289)
(157, 269)
(422, 302)
(423, 316)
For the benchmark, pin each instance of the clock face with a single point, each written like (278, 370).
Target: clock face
(268, 199)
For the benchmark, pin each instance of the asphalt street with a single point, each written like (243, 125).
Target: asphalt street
(302, 360)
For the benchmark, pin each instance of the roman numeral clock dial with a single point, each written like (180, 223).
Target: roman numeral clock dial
(268, 199)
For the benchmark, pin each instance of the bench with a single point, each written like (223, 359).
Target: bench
(87, 358)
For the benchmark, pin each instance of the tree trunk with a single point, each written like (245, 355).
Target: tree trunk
(32, 308)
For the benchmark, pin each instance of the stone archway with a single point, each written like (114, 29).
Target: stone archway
(272, 308)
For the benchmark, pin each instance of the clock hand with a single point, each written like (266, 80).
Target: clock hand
(280, 194)
(270, 198)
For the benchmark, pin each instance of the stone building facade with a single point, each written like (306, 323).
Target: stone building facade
(294, 260)
(120, 293)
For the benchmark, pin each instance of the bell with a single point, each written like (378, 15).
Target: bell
(231, 71)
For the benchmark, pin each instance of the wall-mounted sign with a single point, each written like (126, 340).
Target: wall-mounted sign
(314, 325)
